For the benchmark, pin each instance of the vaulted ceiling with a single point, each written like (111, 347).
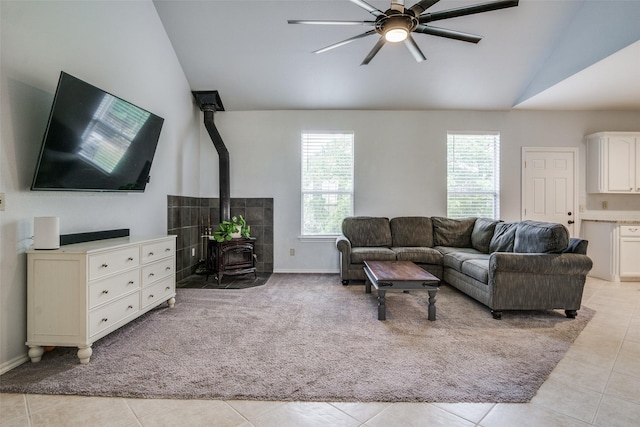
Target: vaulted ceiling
(542, 54)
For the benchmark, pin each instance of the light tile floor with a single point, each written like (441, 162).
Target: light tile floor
(597, 383)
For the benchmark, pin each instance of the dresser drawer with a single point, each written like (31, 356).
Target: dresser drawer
(158, 250)
(107, 316)
(106, 263)
(106, 290)
(630, 230)
(157, 292)
(158, 270)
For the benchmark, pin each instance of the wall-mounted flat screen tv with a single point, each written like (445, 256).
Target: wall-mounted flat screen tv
(95, 141)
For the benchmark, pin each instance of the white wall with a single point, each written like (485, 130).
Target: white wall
(400, 163)
(120, 47)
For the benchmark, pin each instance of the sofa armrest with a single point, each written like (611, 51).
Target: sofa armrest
(344, 246)
(563, 264)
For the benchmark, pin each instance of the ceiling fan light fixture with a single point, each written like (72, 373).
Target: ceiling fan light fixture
(395, 35)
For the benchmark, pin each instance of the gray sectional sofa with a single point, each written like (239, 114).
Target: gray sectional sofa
(524, 265)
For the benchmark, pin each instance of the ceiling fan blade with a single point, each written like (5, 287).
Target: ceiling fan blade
(450, 34)
(375, 50)
(467, 10)
(422, 5)
(316, 22)
(366, 6)
(410, 43)
(343, 42)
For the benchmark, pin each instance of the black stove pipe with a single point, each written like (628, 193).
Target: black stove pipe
(210, 102)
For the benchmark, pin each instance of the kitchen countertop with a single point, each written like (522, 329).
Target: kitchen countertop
(617, 217)
(615, 221)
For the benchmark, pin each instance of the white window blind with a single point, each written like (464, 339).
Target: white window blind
(473, 175)
(327, 182)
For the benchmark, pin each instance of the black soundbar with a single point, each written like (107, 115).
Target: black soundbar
(68, 239)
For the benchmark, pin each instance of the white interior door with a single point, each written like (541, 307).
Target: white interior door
(549, 179)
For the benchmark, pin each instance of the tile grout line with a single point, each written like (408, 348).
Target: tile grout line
(132, 412)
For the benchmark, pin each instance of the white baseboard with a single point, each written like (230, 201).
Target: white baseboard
(307, 271)
(13, 363)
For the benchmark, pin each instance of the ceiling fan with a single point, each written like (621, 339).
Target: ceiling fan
(396, 24)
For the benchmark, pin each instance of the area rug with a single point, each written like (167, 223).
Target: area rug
(306, 337)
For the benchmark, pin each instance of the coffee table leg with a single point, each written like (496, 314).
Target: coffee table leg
(382, 307)
(367, 286)
(432, 305)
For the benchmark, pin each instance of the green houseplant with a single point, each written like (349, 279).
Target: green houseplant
(227, 230)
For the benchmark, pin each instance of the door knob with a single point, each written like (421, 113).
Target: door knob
(570, 222)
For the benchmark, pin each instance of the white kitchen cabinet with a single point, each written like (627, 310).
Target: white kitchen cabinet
(614, 248)
(81, 292)
(630, 251)
(613, 162)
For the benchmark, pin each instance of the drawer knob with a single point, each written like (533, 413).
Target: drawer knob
(105, 265)
(168, 250)
(104, 319)
(167, 288)
(633, 230)
(150, 295)
(106, 291)
(130, 307)
(150, 254)
(130, 259)
(167, 268)
(130, 282)
(151, 274)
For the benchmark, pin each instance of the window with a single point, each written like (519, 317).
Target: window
(327, 182)
(473, 175)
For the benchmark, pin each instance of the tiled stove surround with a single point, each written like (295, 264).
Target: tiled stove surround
(187, 217)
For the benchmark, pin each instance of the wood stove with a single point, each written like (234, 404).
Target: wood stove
(232, 257)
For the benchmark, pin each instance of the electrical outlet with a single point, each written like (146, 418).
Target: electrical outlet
(605, 204)
(193, 251)
(292, 252)
(2, 201)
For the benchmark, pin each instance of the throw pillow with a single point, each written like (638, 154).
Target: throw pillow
(541, 237)
(452, 232)
(503, 237)
(482, 234)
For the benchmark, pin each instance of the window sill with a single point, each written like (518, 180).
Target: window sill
(318, 239)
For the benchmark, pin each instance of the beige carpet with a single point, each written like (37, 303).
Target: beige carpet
(307, 337)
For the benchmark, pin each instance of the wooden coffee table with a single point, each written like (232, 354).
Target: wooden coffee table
(399, 276)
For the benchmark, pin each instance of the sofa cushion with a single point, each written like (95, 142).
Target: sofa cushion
(371, 253)
(452, 232)
(420, 255)
(409, 231)
(540, 237)
(456, 259)
(477, 268)
(482, 233)
(504, 237)
(367, 231)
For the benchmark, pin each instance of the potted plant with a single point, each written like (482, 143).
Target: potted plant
(235, 228)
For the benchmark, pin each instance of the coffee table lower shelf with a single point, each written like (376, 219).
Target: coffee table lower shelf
(399, 276)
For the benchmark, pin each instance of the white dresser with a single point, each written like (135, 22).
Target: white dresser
(81, 292)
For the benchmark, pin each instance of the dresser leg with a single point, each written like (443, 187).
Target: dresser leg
(84, 354)
(171, 301)
(35, 353)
